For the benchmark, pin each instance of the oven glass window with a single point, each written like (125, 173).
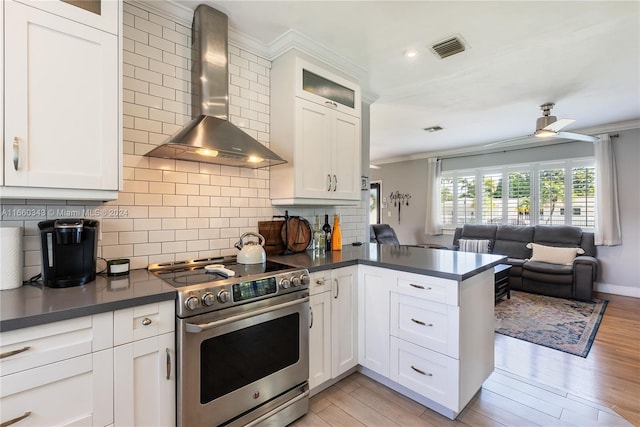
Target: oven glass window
(231, 361)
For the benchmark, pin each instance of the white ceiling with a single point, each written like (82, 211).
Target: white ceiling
(582, 55)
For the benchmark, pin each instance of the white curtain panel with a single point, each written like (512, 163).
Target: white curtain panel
(607, 229)
(432, 223)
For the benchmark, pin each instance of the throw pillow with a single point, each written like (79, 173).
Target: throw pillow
(474, 245)
(553, 255)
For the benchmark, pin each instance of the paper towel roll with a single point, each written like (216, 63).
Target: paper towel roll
(11, 257)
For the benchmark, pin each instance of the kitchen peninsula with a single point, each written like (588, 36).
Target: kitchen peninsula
(417, 320)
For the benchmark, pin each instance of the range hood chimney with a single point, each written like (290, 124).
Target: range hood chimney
(210, 137)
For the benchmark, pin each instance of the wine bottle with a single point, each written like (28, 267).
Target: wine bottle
(336, 237)
(327, 230)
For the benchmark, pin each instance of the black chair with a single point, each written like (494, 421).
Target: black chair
(383, 234)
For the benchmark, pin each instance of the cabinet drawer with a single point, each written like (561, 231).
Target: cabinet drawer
(428, 287)
(425, 323)
(136, 323)
(63, 393)
(35, 346)
(431, 374)
(320, 282)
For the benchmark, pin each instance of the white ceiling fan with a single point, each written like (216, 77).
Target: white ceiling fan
(549, 126)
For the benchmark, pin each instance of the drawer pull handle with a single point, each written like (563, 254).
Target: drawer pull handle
(16, 153)
(146, 321)
(311, 316)
(321, 281)
(421, 323)
(421, 372)
(168, 363)
(420, 286)
(13, 353)
(15, 420)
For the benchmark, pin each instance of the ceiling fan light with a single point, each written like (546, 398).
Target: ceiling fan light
(544, 133)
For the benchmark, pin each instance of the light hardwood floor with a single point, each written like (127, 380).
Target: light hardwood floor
(531, 386)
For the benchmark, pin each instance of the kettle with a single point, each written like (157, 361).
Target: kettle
(251, 252)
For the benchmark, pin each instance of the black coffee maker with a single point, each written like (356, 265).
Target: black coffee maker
(69, 248)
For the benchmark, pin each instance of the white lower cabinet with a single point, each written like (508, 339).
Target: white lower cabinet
(429, 373)
(374, 285)
(320, 339)
(333, 335)
(59, 373)
(144, 378)
(144, 365)
(344, 320)
(69, 373)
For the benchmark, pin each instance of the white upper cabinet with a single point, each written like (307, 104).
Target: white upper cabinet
(61, 101)
(315, 126)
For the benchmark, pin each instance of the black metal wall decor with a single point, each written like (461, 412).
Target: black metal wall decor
(400, 199)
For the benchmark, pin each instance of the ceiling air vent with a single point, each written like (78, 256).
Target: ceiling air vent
(448, 47)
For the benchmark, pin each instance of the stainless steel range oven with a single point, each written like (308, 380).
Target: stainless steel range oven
(243, 342)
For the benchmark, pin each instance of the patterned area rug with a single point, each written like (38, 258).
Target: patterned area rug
(561, 324)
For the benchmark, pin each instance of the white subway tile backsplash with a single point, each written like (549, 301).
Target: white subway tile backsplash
(187, 189)
(189, 212)
(128, 237)
(148, 51)
(162, 187)
(174, 200)
(140, 249)
(171, 176)
(148, 199)
(172, 247)
(162, 211)
(147, 223)
(147, 26)
(160, 43)
(162, 236)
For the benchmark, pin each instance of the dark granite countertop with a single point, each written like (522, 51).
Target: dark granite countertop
(31, 305)
(442, 263)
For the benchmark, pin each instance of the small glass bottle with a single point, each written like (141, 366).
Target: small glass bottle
(336, 237)
(327, 232)
(318, 238)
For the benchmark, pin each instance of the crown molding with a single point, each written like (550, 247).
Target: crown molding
(522, 142)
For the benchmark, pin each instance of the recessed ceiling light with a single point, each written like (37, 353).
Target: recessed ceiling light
(411, 53)
(433, 128)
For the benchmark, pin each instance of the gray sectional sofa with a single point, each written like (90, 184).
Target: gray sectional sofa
(558, 280)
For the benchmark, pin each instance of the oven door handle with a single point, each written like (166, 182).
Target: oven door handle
(196, 328)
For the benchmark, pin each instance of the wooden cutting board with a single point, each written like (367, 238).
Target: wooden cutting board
(270, 230)
(296, 234)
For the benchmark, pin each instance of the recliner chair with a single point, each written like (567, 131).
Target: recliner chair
(383, 234)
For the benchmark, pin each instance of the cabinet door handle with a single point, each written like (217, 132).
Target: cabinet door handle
(335, 183)
(331, 104)
(146, 321)
(321, 281)
(329, 181)
(421, 323)
(168, 363)
(337, 288)
(311, 317)
(14, 352)
(16, 152)
(419, 286)
(15, 420)
(420, 371)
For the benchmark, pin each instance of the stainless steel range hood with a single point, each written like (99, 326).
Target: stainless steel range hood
(210, 137)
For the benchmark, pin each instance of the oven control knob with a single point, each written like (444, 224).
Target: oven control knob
(224, 296)
(208, 299)
(305, 279)
(285, 283)
(295, 281)
(192, 303)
